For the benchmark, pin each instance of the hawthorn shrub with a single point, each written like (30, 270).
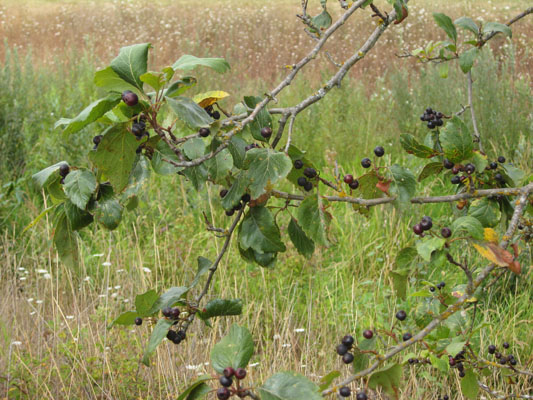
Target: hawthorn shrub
(151, 126)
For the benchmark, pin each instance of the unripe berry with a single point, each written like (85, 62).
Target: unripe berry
(228, 372)
(348, 179)
(240, 373)
(368, 334)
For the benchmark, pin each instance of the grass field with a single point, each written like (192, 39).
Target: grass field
(53, 338)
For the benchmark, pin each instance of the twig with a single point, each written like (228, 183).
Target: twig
(503, 396)
(509, 23)
(289, 135)
(477, 136)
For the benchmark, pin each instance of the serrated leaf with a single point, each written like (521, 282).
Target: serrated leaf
(237, 147)
(126, 318)
(203, 266)
(485, 211)
(430, 169)
(163, 152)
(326, 380)
(131, 63)
(468, 24)
(79, 187)
(158, 334)
(490, 27)
(442, 364)
(411, 146)
(427, 246)
(469, 225)
(322, 21)
(190, 112)
(404, 184)
(265, 167)
(479, 160)
(261, 120)
(137, 179)
(180, 86)
(313, 220)
(189, 393)
(44, 177)
(144, 302)
(65, 240)
(234, 350)
(512, 175)
(388, 378)
(111, 81)
(455, 346)
(260, 232)
(89, 114)
(221, 307)
(469, 385)
(445, 22)
(77, 218)
(301, 241)
(169, 298)
(219, 166)
(115, 157)
(188, 62)
(155, 79)
(467, 58)
(456, 141)
(108, 211)
(289, 386)
(235, 192)
(209, 98)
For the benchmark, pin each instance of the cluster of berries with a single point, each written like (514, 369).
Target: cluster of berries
(425, 224)
(212, 113)
(64, 170)
(178, 336)
(433, 118)
(501, 358)
(251, 146)
(343, 349)
(245, 198)
(309, 173)
(401, 315)
(138, 128)
(439, 286)
(445, 397)
(457, 362)
(226, 380)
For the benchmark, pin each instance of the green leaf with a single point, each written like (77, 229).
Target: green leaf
(442, 364)
(180, 86)
(158, 334)
(469, 385)
(203, 266)
(169, 298)
(261, 120)
(430, 169)
(219, 166)
(190, 112)
(79, 186)
(485, 211)
(163, 152)
(404, 184)
(236, 147)
(513, 176)
(126, 318)
(456, 141)
(446, 24)
(313, 220)
(480, 161)
(90, 114)
(411, 146)
(444, 69)
(388, 378)
(155, 79)
(427, 246)
(467, 224)
(328, 379)
(406, 257)
(144, 302)
(188, 62)
(234, 350)
(137, 179)
(131, 63)
(260, 232)
(65, 240)
(108, 211)
(301, 241)
(399, 282)
(39, 217)
(115, 157)
(44, 177)
(221, 307)
(322, 21)
(289, 386)
(265, 167)
(367, 186)
(109, 80)
(490, 27)
(235, 192)
(77, 218)
(191, 392)
(468, 24)
(466, 59)
(455, 346)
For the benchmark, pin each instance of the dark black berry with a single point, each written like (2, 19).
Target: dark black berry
(361, 396)
(308, 186)
(426, 223)
(229, 213)
(498, 177)
(347, 358)
(167, 311)
(368, 334)
(342, 349)
(175, 313)
(439, 122)
(216, 115)
(379, 151)
(348, 179)
(406, 336)
(411, 361)
(223, 393)
(138, 321)
(298, 164)
(429, 110)
(498, 354)
(225, 381)
(401, 315)
(310, 172)
(447, 164)
(432, 289)
(462, 374)
(97, 139)
(456, 169)
(503, 360)
(431, 125)
(245, 198)
(223, 193)
(456, 180)
(441, 285)
(130, 98)
(302, 181)
(204, 132)
(493, 165)
(366, 163)
(446, 232)
(513, 362)
(348, 341)
(354, 185)
(137, 129)
(345, 391)
(505, 345)
(470, 169)
(418, 229)
(64, 169)
(266, 132)
(492, 349)
(237, 207)
(501, 159)
(181, 334)
(460, 367)
(445, 397)
(171, 335)
(240, 373)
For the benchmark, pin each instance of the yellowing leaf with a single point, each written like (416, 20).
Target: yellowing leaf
(209, 98)
(498, 256)
(490, 235)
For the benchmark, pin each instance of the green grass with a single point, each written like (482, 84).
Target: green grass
(344, 288)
